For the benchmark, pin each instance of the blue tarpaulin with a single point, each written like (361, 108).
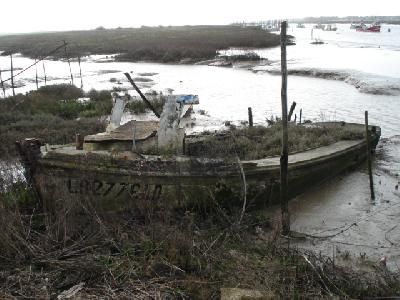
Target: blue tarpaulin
(187, 99)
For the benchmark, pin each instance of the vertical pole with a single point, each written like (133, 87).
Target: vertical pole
(291, 110)
(80, 71)
(134, 136)
(250, 117)
(371, 179)
(2, 85)
(45, 76)
(79, 139)
(12, 75)
(284, 154)
(36, 77)
(69, 63)
(301, 112)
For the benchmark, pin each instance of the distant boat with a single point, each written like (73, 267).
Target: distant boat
(375, 27)
(317, 42)
(319, 26)
(300, 25)
(355, 26)
(330, 27)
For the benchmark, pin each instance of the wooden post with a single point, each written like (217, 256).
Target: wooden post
(80, 71)
(367, 135)
(45, 76)
(301, 112)
(69, 63)
(141, 95)
(284, 154)
(292, 107)
(250, 117)
(12, 75)
(134, 136)
(79, 139)
(36, 77)
(2, 85)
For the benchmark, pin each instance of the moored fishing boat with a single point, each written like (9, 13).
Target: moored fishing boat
(375, 27)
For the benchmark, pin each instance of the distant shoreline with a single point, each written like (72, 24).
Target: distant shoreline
(170, 44)
(390, 20)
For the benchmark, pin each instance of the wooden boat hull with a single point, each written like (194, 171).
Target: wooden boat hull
(110, 181)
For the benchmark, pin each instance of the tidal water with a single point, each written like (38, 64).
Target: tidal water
(350, 73)
(367, 59)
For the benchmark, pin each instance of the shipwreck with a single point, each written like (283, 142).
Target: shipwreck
(143, 164)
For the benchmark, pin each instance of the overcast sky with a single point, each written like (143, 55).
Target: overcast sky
(49, 15)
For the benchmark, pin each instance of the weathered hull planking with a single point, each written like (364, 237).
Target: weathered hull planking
(111, 181)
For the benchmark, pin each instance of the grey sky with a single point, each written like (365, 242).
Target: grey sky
(48, 15)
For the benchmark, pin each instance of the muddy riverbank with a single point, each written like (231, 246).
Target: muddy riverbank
(340, 219)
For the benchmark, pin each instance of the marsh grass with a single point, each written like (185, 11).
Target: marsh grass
(259, 142)
(162, 44)
(160, 254)
(140, 107)
(51, 114)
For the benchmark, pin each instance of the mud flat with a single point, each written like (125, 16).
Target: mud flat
(365, 83)
(341, 221)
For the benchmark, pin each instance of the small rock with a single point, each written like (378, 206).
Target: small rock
(382, 261)
(237, 294)
(259, 230)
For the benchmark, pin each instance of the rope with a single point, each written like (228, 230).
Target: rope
(348, 227)
(36, 62)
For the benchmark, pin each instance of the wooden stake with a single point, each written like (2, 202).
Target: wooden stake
(367, 135)
(284, 154)
(79, 139)
(292, 107)
(69, 63)
(134, 136)
(12, 75)
(37, 81)
(141, 95)
(250, 117)
(2, 85)
(301, 112)
(80, 71)
(45, 76)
